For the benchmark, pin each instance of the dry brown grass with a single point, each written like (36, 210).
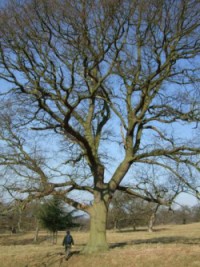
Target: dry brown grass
(168, 246)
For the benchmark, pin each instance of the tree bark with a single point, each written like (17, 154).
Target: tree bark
(36, 230)
(152, 219)
(98, 219)
(36, 234)
(151, 222)
(116, 225)
(19, 221)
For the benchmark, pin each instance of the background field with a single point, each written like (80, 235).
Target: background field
(168, 246)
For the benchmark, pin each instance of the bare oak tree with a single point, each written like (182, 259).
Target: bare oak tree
(97, 76)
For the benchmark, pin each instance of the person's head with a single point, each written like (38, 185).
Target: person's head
(67, 232)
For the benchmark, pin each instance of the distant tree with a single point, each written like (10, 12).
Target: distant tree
(126, 210)
(196, 213)
(53, 217)
(11, 214)
(152, 217)
(182, 214)
(31, 219)
(117, 214)
(3, 217)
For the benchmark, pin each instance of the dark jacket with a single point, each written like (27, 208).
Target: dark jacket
(68, 240)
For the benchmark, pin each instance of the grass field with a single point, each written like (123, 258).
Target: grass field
(168, 246)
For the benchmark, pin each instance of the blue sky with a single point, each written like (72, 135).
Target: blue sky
(186, 199)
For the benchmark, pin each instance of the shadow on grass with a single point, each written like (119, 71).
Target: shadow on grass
(159, 240)
(139, 230)
(73, 253)
(53, 259)
(169, 240)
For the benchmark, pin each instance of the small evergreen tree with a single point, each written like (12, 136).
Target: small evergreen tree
(53, 217)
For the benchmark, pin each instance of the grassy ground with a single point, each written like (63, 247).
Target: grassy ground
(168, 246)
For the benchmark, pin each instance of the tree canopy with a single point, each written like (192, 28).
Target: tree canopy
(108, 90)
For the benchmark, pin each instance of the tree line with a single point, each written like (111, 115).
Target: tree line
(125, 212)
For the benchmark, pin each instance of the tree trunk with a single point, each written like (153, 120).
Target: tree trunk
(152, 219)
(115, 225)
(19, 221)
(54, 237)
(98, 219)
(36, 234)
(36, 231)
(134, 226)
(151, 223)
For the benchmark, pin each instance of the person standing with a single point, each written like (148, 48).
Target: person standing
(68, 242)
